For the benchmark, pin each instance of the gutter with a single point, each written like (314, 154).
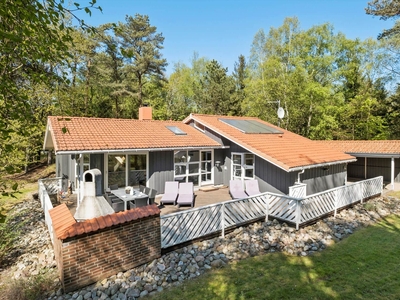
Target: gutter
(321, 165)
(67, 152)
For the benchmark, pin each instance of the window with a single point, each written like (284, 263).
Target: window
(193, 166)
(242, 166)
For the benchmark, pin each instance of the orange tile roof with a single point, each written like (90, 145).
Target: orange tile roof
(97, 134)
(366, 147)
(288, 150)
(65, 226)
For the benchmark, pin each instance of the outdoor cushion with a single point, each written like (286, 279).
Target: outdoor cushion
(252, 187)
(236, 189)
(170, 192)
(186, 194)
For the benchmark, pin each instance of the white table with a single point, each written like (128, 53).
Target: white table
(121, 194)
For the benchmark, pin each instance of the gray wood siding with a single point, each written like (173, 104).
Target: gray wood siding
(320, 179)
(161, 169)
(375, 167)
(273, 179)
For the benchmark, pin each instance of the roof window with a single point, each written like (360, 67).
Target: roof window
(176, 130)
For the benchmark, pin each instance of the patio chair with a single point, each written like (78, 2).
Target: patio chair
(147, 190)
(139, 202)
(185, 194)
(252, 187)
(236, 189)
(117, 204)
(152, 196)
(114, 187)
(142, 188)
(170, 192)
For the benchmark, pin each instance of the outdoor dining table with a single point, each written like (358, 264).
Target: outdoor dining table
(121, 194)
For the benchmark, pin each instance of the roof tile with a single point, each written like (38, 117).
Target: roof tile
(287, 150)
(78, 228)
(79, 133)
(364, 146)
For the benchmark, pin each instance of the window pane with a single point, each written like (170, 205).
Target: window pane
(249, 159)
(249, 173)
(237, 171)
(137, 170)
(206, 177)
(116, 170)
(206, 167)
(180, 169)
(206, 155)
(193, 156)
(180, 156)
(193, 168)
(86, 158)
(237, 159)
(194, 179)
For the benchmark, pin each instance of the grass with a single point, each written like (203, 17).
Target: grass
(366, 265)
(27, 184)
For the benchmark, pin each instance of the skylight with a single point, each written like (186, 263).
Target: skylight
(251, 126)
(176, 130)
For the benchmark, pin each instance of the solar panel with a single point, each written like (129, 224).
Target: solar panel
(251, 126)
(176, 130)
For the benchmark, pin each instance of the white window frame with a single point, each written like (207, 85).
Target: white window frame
(241, 166)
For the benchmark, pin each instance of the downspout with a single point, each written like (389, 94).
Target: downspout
(298, 175)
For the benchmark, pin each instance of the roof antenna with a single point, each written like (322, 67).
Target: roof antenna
(280, 112)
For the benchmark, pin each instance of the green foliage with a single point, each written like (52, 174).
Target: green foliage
(35, 39)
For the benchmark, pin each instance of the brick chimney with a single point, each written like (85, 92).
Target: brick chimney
(145, 113)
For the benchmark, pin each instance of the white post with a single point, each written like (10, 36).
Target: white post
(392, 173)
(223, 219)
(298, 213)
(336, 202)
(267, 196)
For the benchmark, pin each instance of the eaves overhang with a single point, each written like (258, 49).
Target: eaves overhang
(321, 165)
(133, 150)
(375, 155)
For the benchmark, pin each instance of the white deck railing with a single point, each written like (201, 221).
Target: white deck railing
(194, 223)
(48, 187)
(188, 225)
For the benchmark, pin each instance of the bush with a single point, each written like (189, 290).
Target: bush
(33, 288)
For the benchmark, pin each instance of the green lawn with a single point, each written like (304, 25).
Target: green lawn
(365, 265)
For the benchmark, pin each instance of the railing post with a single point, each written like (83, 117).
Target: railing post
(267, 197)
(298, 212)
(335, 195)
(223, 219)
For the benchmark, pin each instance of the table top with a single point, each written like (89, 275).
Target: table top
(120, 193)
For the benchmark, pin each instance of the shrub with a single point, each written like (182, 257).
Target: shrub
(32, 288)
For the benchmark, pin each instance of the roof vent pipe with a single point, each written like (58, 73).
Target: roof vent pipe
(298, 176)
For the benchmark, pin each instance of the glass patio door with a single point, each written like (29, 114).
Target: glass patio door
(117, 170)
(206, 167)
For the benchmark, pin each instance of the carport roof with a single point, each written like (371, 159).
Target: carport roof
(364, 148)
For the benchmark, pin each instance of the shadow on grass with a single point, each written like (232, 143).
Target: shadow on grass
(365, 265)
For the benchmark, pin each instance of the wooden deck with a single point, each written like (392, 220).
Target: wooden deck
(203, 197)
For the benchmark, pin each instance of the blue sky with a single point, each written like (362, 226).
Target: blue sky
(224, 29)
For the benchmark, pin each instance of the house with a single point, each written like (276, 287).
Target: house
(374, 158)
(203, 149)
